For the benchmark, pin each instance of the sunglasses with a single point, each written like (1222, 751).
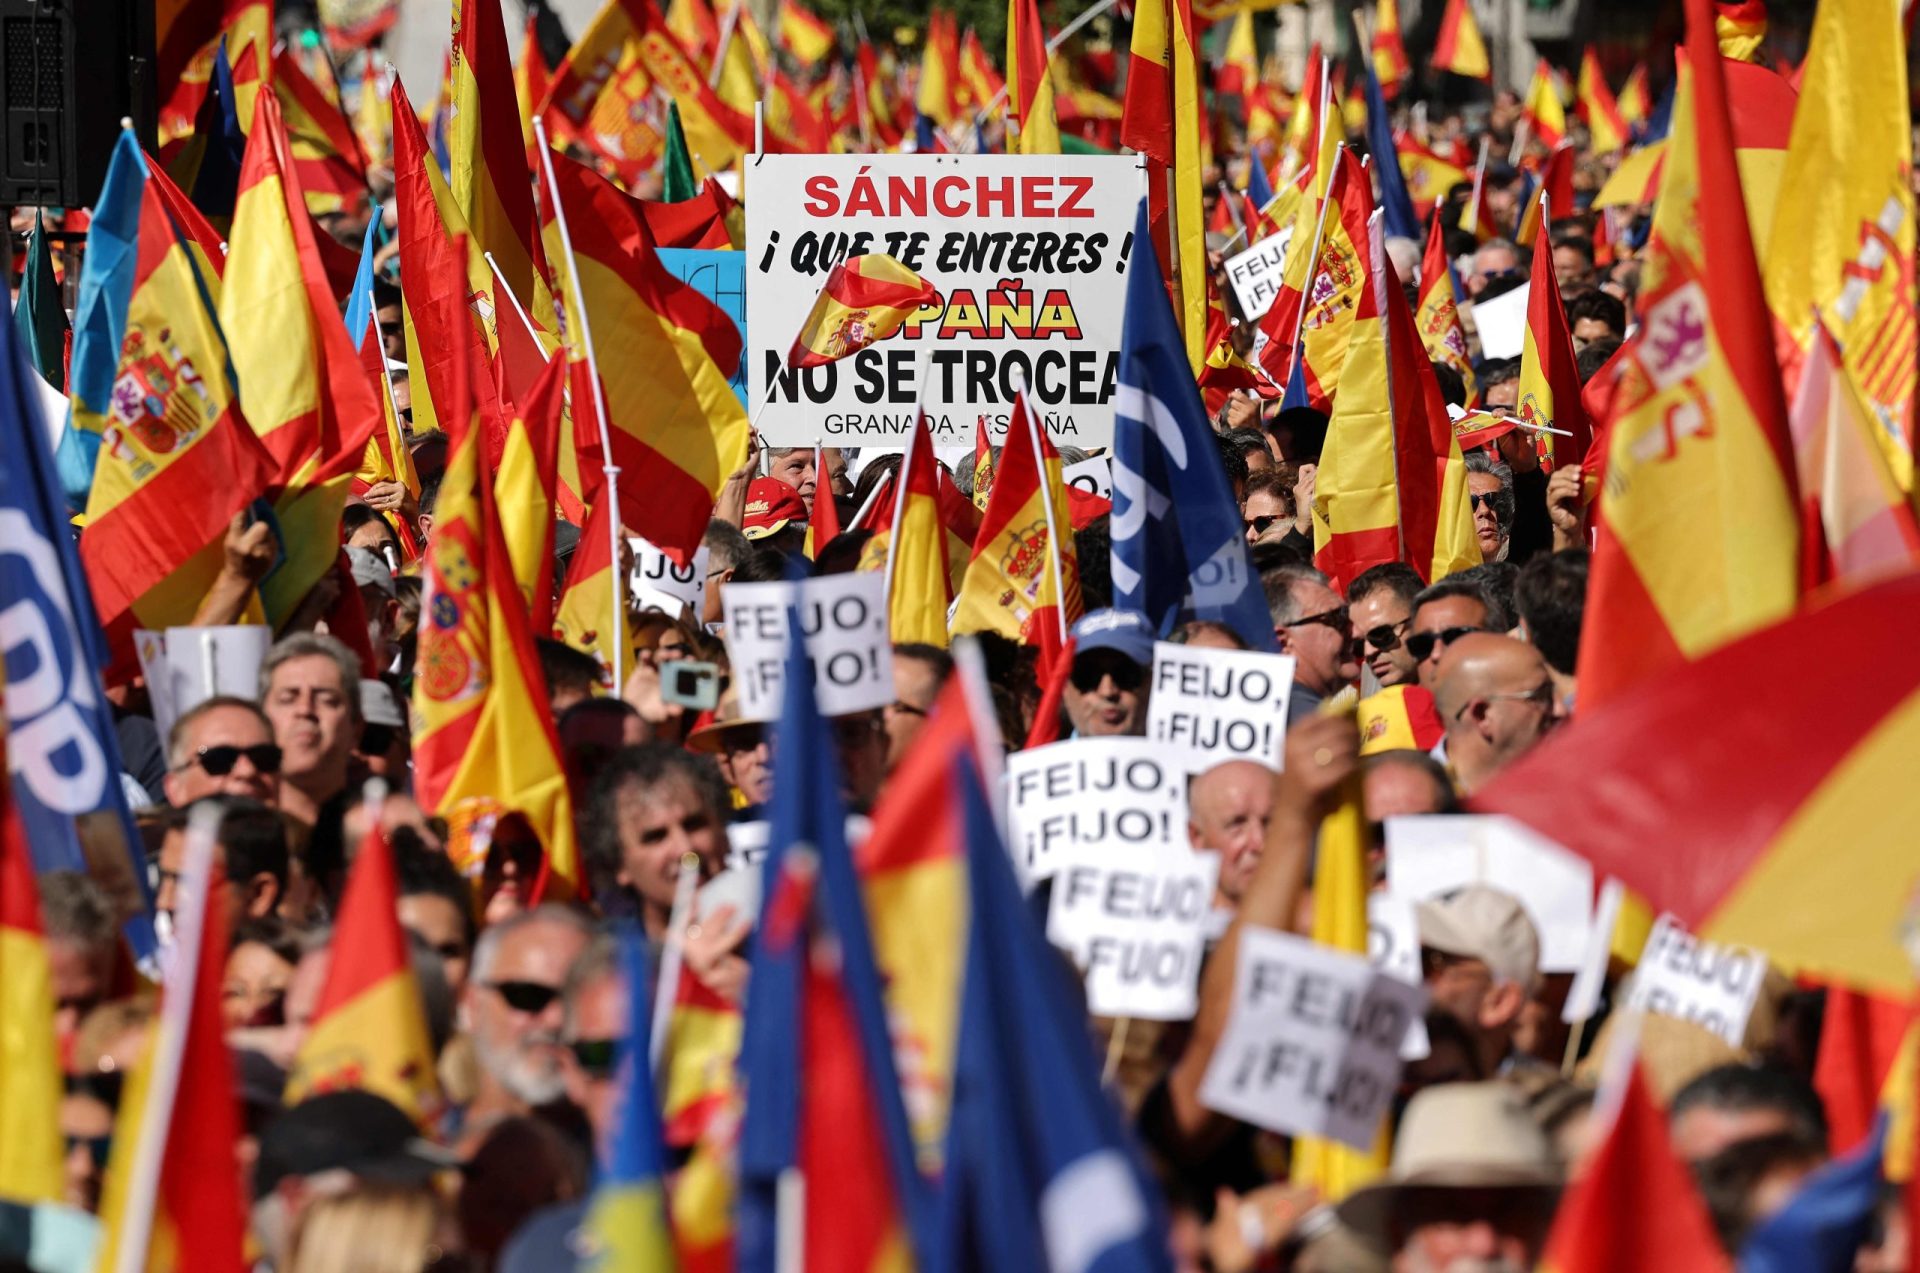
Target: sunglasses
(529, 997)
(1335, 618)
(1499, 501)
(98, 1147)
(1126, 674)
(1422, 644)
(1384, 638)
(219, 760)
(595, 1057)
(1262, 524)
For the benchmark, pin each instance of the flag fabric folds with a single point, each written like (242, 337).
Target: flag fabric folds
(1740, 29)
(595, 596)
(1023, 571)
(39, 317)
(1161, 120)
(32, 1157)
(1036, 130)
(919, 581)
(1388, 65)
(863, 301)
(1438, 318)
(1312, 319)
(627, 1214)
(526, 489)
(1606, 124)
(487, 172)
(804, 33)
(1549, 393)
(1458, 47)
(1179, 548)
(1402, 222)
(1542, 112)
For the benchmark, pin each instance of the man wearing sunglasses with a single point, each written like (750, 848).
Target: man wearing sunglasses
(1106, 694)
(511, 1009)
(1312, 624)
(1490, 487)
(1380, 603)
(1498, 700)
(223, 747)
(1442, 614)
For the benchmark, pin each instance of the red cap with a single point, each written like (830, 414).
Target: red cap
(771, 504)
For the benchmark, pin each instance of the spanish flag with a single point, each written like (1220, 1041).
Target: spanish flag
(977, 71)
(1429, 174)
(601, 92)
(488, 158)
(1740, 28)
(792, 118)
(1024, 571)
(663, 353)
(1634, 103)
(1554, 181)
(1161, 120)
(1542, 112)
(1390, 63)
(1399, 718)
(626, 1219)
(919, 587)
(1303, 141)
(1605, 124)
(1036, 129)
(1458, 47)
(324, 149)
(864, 300)
(1549, 378)
(188, 34)
(1700, 536)
(1322, 286)
(804, 34)
(1438, 318)
(32, 1167)
(482, 730)
(938, 94)
(1239, 69)
(171, 1200)
(592, 616)
(982, 464)
(693, 23)
(526, 490)
(1861, 1039)
(876, 103)
(369, 1028)
(1850, 252)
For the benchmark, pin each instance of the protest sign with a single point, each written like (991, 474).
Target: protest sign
(1711, 985)
(1209, 706)
(1091, 793)
(1393, 947)
(843, 619)
(1028, 255)
(1312, 1044)
(184, 667)
(658, 583)
(721, 277)
(1255, 274)
(1134, 920)
(1435, 854)
(1094, 476)
(1502, 323)
(1583, 997)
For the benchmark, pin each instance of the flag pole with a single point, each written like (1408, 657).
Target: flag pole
(1046, 503)
(1313, 261)
(607, 465)
(1091, 12)
(727, 25)
(672, 954)
(1479, 183)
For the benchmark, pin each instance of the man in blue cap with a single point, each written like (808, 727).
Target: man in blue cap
(1106, 693)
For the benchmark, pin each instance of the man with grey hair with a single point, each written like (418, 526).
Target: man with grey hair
(310, 691)
(511, 1009)
(1311, 621)
(1492, 259)
(222, 747)
(83, 936)
(726, 548)
(1490, 487)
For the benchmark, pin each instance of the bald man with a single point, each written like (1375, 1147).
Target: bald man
(1497, 699)
(1228, 808)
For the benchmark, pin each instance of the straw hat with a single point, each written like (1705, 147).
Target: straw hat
(726, 716)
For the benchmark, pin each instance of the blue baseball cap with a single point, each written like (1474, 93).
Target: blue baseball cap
(1126, 631)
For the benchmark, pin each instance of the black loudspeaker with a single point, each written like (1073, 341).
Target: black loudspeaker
(70, 71)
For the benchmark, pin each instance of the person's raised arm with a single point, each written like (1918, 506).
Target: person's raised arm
(247, 556)
(731, 505)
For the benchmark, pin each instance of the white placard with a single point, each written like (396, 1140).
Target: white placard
(1502, 323)
(1255, 274)
(1210, 706)
(1711, 985)
(1312, 1044)
(1437, 853)
(1134, 921)
(657, 583)
(1088, 795)
(1393, 946)
(1027, 253)
(1094, 476)
(1583, 996)
(844, 621)
(184, 667)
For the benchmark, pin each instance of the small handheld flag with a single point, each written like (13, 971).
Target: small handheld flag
(864, 300)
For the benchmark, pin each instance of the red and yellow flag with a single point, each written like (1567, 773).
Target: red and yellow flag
(1555, 181)
(1458, 47)
(941, 83)
(1850, 252)
(663, 353)
(531, 79)
(1605, 124)
(387, 457)
(1162, 121)
(1700, 534)
(1634, 102)
(1438, 318)
(1542, 111)
(982, 463)
(369, 1029)
(1321, 288)
(1390, 63)
(1024, 572)
(864, 300)
(793, 119)
(823, 519)
(1549, 377)
(804, 33)
(324, 148)
(602, 94)
(693, 23)
(32, 1158)
(1239, 69)
(526, 490)
(1399, 718)
(919, 587)
(592, 616)
(1036, 128)
(1740, 28)
(487, 155)
(1429, 174)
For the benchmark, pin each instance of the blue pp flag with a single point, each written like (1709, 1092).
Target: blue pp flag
(627, 1215)
(1394, 200)
(1179, 547)
(100, 314)
(62, 751)
(1829, 1216)
(831, 999)
(1040, 1173)
(359, 313)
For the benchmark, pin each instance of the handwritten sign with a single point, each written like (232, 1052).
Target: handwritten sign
(1255, 274)
(1091, 793)
(1711, 985)
(843, 619)
(1134, 920)
(658, 584)
(1214, 705)
(1312, 1044)
(1438, 853)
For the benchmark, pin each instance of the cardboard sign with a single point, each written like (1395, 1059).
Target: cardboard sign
(1255, 274)
(184, 667)
(1028, 255)
(843, 619)
(1094, 476)
(1711, 985)
(1089, 794)
(658, 584)
(1134, 920)
(1209, 706)
(1435, 854)
(1312, 1044)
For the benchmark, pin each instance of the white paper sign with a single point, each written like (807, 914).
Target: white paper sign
(1437, 853)
(1711, 985)
(1091, 794)
(1255, 274)
(844, 621)
(1094, 476)
(1028, 255)
(1134, 921)
(1502, 323)
(1312, 1044)
(1393, 947)
(184, 667)
(658, 584)
(1209, 706)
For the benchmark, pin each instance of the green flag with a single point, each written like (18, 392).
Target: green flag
(678, 178)
(39, 317)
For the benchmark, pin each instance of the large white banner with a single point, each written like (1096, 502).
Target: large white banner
(1029, 256)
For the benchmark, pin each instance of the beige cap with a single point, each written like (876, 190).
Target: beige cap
(1458, 1136)
(1484, 923)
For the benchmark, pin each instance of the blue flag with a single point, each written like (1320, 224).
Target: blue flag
(1259, 190)
(100, 314)
(811, 889)
(359, 313)
(1179, 547)
(1829, 1216)
(62, 751)
(1040, 1172)
(627, 1216)
(1394, 200)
